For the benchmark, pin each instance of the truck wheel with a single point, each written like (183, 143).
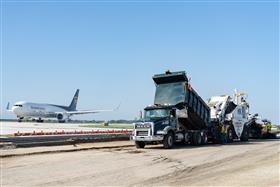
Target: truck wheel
(168, 141)
(229, 135)
(215, 134)
(204, 138)
(245, 135)
(197, 138)
(139, 144)
(186, 138)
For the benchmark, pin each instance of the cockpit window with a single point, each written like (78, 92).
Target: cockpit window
(18, 105)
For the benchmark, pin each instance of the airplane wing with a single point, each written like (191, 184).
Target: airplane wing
(91, 111)
(87, 111)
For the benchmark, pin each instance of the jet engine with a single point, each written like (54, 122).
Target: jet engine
(61, 117)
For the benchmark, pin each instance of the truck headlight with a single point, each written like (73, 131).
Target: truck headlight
(148, 124)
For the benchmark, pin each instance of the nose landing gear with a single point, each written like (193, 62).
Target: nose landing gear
(40, 120)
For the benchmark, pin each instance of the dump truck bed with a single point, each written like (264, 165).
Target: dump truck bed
(173, 89)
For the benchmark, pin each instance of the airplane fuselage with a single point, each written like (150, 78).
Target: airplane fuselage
(37, 110)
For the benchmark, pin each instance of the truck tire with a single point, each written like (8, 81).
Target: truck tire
(186, 138)
(245, 135)
(168, 140)
(229, 135)
(139, 144)
(204, 138)
(197, 138)
(216, 134)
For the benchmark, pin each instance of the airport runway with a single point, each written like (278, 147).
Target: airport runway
(254, 163)
(9, 128)
(14, 135)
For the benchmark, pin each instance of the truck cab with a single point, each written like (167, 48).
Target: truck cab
(157, 121)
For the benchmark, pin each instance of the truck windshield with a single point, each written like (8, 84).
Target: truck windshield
(156, 113)
(170, 93)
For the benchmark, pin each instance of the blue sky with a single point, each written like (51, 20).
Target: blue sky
(110, 50)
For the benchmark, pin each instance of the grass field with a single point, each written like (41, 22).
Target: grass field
(111, 125)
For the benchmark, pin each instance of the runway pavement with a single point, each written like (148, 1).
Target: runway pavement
(9, 128)
(14, 134)
(254, 163)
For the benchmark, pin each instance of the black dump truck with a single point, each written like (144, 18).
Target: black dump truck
(178, 114)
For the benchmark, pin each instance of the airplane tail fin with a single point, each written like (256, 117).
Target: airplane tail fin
(117, 108)
(73, 105)
(8, 106)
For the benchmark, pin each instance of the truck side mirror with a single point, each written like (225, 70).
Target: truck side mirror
(140, 114)
(172, 113)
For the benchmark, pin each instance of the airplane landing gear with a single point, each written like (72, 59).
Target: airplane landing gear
(20, 119)
(40, 120)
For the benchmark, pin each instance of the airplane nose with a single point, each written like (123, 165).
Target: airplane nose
(15, 110)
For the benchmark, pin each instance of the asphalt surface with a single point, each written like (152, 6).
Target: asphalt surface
(254, 163)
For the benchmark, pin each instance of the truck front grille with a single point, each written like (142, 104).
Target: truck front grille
(142, 133)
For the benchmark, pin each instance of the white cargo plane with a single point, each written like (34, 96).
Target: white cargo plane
(38, 111)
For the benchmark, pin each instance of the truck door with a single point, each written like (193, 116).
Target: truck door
(173, 118)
